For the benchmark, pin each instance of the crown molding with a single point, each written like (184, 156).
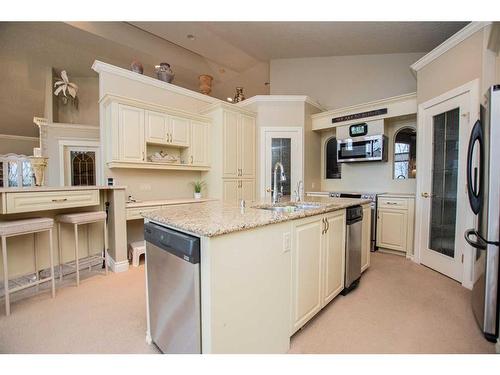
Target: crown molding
(226, 106)
(366, 106)
(19, 137)
(99, 67)
(280, 98)
(448, 44)
(40, 122)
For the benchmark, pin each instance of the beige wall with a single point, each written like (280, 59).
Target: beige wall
(312, 151)
(457, 66)
(371, 176)
(18, 145)
(341, 81)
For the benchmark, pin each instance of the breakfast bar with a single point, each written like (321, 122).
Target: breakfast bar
(30, 202)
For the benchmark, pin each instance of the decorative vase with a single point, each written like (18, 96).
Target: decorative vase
(38, 165)
(164, 73)
(136, 67)
(239, 97)
(205, 83)
(197, 195)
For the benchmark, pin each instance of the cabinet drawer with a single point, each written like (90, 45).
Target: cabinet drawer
(50, 200)
(401, 203)
(136, 212)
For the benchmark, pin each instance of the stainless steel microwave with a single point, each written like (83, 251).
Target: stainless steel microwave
(356, 149)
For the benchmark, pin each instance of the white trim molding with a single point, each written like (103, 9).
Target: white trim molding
(448, 44)
(19, 137)
(280, 98)
(472, 88)
(116, 267)
(400, 105)
(100, 67)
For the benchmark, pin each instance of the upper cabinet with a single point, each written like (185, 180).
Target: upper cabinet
(233, 152)
(238, 145)
(130, 142)
(135, 131)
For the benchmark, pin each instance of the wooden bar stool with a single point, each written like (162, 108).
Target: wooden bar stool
(17, 228)
(76, 219)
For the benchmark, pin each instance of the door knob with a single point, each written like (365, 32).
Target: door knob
(268, 190)
(425, 195)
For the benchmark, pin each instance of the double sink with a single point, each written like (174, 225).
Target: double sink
(290, 207)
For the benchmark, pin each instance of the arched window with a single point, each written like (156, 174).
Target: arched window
(405, 153)
(82, 168)
(332, 165)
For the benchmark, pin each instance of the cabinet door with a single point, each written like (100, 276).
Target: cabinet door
(392, 229)
(334, 255)
(230, 164)
(246, 151)
(366, 237)
(247, 190)
(131, 133)
(230, 190)
(156, 127)
(199, 146)
(306, 270)
(179, 131)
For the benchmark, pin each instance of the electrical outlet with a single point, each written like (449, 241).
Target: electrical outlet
(313, 185)
(286, 242)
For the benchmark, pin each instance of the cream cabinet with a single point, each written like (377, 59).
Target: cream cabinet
(132, 131)
(235, 190)
(318, 262)
(199, 144)
(157, 125)
(366, 237)
(395, 223)
(178, 131)
(238, 145)
(233, 153)
(334, 255)
(130, 139)
(167, 130)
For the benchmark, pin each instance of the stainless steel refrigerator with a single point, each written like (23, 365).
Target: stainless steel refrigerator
(483, 184)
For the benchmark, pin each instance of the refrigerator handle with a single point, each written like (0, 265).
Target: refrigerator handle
(478, 243)
(475, 192)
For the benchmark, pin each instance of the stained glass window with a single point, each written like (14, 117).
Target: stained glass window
(82, 168)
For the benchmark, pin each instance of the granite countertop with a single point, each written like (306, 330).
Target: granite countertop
(166, 202)
(215, 218)
(58, 188)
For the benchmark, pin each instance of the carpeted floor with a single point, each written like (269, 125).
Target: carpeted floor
(399, 307)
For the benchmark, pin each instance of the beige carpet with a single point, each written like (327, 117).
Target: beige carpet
(399, 307)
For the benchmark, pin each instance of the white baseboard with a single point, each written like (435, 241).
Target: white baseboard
(116, 267)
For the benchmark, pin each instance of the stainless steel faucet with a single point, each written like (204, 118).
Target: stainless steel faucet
(276, 194)
(300, 185)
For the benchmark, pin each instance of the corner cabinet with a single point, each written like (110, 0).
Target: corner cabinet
(233, 152)
(132, 131)
(318, 262)
(395, 224)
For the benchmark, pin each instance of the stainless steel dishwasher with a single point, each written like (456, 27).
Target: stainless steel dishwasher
(173, 276)
(354, 218)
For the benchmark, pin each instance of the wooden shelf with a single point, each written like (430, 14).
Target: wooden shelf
(151, 165)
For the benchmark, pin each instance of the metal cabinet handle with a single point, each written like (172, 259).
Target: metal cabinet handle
(323, 231)
(392, 203)
(425, 195)
(60, 200)
(191, 159)
(327, 225)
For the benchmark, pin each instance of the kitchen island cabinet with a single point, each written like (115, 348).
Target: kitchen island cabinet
(259, 268)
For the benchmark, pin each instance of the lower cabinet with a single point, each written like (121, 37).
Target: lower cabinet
(395, 222)
(366, 237)
(234, 190)
(318, 258)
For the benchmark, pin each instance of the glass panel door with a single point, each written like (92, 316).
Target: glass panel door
(444, 182)
(281, 152)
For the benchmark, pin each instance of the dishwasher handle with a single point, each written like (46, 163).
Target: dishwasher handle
(174, 242)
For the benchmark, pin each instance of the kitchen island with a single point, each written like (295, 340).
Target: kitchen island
(263, 271)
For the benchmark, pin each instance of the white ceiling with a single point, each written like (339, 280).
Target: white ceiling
(238, 44)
